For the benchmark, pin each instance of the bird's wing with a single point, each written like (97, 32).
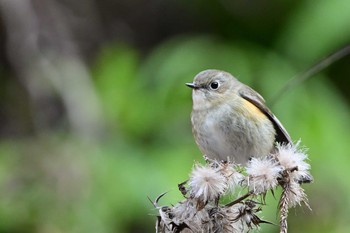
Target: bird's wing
(253, 97)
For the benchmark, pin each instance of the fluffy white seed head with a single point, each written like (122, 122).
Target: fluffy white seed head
(290, 157)
(206, 183)
(262, 174)
(296, 195)
(233, 177)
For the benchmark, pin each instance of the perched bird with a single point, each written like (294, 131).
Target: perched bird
(230, 120)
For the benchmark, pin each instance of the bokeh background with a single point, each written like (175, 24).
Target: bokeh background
(94, 113)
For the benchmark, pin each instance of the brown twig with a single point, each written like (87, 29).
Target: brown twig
(283, 203)
(239, 199)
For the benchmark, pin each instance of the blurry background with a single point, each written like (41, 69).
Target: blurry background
(95, 116)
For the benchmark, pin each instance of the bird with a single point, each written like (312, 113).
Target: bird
(230, 120)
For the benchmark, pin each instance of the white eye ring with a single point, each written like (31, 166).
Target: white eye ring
(214, 85)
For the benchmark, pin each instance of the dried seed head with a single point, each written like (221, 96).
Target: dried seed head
(233, 177)
(263, 174)
(206, 183)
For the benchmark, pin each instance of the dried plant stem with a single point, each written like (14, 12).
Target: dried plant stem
(201, 210)
(239, 199)
(284, 200)
(284, 212)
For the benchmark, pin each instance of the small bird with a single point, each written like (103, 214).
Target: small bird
(230, 120)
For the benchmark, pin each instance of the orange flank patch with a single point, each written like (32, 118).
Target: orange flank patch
(252, 112)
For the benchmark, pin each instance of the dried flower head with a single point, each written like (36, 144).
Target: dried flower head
(296, 195)
(201, 210)
(206, 183)
(293, 158)
(263, 174)
(233, 177)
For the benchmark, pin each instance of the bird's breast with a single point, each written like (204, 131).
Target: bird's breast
(233, 131)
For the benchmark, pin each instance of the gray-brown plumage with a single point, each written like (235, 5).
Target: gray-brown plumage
(231, 121)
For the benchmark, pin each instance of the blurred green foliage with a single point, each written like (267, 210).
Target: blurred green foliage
(57, 183)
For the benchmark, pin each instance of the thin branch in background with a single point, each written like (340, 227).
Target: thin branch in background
(321, 65)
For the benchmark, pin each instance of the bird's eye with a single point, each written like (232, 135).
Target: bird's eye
(214, 85)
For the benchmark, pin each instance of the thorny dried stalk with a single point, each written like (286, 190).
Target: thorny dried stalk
(202, 212)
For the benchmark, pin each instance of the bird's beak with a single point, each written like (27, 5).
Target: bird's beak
(192, 85)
